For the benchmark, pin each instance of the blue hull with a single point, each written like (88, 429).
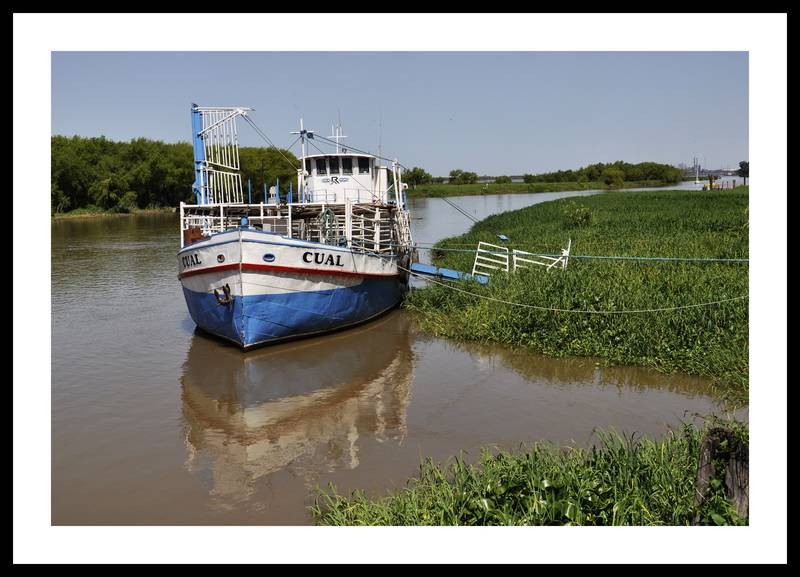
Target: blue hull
(263, 319)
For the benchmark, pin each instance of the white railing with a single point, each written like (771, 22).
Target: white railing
(220, 139)
(365, 227)
(342, 195)
(522, 259)
(320, 195)
(360, 195)
(490, 259)
(223, 187)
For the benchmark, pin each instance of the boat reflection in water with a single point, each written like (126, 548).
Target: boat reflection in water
(299, 406)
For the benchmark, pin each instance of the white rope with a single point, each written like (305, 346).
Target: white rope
(525, 305)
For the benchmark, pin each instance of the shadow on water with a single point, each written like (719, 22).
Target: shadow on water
(301, 406)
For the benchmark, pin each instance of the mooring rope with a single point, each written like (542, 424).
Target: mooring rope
(593, 257)
(557, 310)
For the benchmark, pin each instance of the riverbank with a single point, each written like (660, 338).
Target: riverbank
(440, 190)
(710, 341)
(90, 213)
(619, 482)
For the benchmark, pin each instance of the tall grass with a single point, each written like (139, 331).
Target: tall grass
(709, 341)
(622, 481)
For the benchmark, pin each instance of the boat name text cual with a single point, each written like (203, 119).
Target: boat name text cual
(190, 260)
(322, 258)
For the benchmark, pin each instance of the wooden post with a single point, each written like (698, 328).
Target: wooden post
(721, 447)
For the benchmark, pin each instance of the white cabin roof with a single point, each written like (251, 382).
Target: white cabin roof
(348, 153)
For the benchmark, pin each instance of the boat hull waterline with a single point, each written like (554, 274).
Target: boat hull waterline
(255, 288)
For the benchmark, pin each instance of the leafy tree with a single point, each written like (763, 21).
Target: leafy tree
(469, 177)
(123, 176)
(644, 171)
(417, 176)
(463, 177)
(744, 170)
(502, 180)
(59, 202)
(266, 165)
(613, 177)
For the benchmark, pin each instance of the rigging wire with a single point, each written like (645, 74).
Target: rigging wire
(332, 142)
(459, 209)
(265, 137)
(465, 213)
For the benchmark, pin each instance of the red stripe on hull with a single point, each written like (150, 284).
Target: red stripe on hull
(269, 267)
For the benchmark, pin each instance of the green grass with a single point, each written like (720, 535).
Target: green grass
(708, 341)
(620, 482)
(439, 190)
(94, 211)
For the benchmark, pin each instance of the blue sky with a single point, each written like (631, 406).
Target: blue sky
(488, 112)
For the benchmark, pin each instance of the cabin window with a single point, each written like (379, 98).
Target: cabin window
(309, 167)
(334, 162)
(321, 170)
(347, 165)
(363, 165)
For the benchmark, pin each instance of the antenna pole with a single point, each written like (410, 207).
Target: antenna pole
(302, 144)
(301, 171)
(336, 133)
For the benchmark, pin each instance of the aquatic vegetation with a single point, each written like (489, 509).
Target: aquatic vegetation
(709, 341)
(620, 481)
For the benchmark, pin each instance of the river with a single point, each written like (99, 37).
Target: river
(156, 424)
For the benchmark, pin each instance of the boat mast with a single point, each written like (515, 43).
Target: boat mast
(303, 133)
(199, 154)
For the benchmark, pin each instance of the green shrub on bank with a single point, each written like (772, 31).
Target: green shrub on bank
(622, 481)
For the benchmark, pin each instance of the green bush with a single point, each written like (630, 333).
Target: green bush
(577, 216)
(622, 481)
(127, 203)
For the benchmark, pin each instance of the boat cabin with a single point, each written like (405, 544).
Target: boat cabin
(345, 176)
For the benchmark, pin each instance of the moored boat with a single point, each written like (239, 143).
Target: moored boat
(261, 273)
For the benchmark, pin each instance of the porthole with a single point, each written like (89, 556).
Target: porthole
(269, 257)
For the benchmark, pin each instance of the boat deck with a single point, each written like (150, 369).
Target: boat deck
(369, 226)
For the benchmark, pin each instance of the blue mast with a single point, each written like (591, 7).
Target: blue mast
(198, 187)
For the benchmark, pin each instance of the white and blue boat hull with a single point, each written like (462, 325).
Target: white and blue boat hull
(271, 288)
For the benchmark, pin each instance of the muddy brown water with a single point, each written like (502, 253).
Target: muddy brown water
(155, 423)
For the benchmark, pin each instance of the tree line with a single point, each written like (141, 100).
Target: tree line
(612, 174)
(143, 173)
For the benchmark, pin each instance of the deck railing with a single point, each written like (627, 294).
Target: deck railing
(363, 226)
